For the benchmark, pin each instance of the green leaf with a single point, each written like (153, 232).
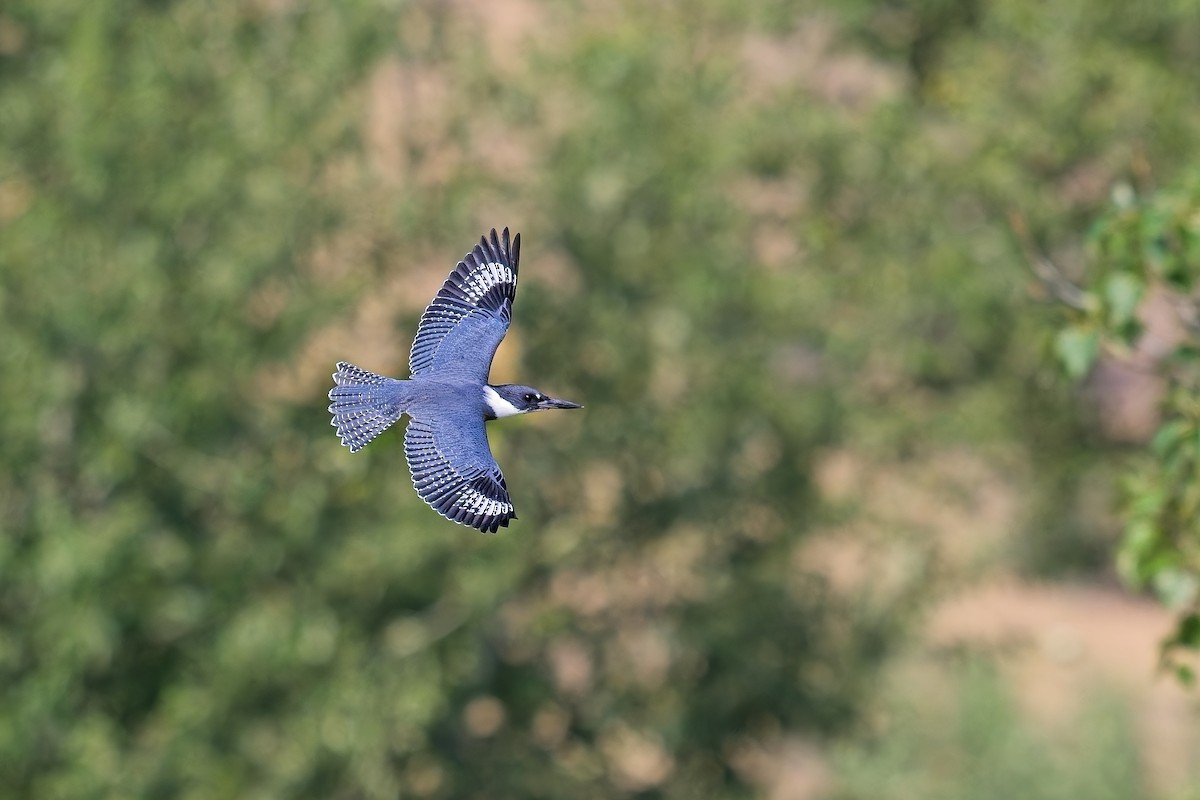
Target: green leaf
(1176, 588)
(1154, 224)
(1191, 244)
(1077, 348)
(1188, 633)
(1122, 294)
(1136, 555)
(1185, 674)
(1185, 354)
(1169, 437)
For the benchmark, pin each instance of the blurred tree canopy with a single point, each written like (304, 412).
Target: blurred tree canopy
(753, 232)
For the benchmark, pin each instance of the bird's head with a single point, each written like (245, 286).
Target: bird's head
(512, 398)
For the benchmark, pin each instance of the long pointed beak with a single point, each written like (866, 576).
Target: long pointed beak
(551, 402)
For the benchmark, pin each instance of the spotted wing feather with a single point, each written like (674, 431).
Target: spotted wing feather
(461, 329)
(464, 485)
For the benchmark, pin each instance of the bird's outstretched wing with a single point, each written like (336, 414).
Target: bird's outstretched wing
(463, 326)
(454, 472)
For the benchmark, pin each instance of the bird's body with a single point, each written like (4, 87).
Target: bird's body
(447, 395)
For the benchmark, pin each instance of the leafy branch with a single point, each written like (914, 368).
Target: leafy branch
(1142, 246)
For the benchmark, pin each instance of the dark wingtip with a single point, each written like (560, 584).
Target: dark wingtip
(493, 525)
(503, 243)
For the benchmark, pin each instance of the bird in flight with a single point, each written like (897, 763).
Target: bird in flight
(447, 396)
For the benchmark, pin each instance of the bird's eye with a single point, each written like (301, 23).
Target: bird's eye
(529, 398)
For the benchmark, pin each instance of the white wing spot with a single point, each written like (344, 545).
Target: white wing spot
(478, 503)
(479, 282)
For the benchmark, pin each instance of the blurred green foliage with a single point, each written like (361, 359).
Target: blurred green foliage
(982, 746)
(752, 233)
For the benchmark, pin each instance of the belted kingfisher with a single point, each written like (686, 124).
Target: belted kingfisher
(447, 396)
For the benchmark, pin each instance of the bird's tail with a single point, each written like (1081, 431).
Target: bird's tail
(364, 404)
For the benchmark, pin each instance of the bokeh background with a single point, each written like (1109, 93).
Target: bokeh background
(832, 525)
